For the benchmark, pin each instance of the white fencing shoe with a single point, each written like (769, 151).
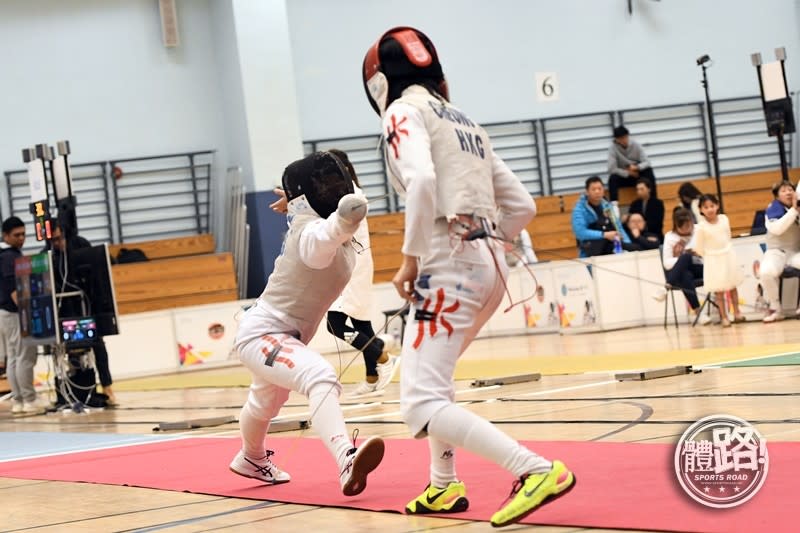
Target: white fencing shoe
(386, 372)
(261, 469)
(360, 462)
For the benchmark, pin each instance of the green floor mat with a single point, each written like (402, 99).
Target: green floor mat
(778, 360)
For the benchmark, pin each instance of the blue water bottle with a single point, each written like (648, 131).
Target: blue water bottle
(617, 245)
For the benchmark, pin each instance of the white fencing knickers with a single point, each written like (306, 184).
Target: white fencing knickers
(461, 285)
(461, 288)
(280, 363)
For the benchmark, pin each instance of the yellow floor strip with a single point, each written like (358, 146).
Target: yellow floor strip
(575, 364)
(472, 368)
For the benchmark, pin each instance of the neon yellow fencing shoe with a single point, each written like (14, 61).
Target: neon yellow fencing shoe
(532, 491)
(451, 499)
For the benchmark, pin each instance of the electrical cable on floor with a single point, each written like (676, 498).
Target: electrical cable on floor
(500, 399)
(558, 422)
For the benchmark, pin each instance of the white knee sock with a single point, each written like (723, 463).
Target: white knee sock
(443, 463)
(464, 429)
(328, 421)
(254, 431)
(254, 419)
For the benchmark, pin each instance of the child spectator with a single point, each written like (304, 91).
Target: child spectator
(721, 271)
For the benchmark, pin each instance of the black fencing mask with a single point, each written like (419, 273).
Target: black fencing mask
(322, 178)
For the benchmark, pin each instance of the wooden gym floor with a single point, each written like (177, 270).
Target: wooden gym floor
(578, 369)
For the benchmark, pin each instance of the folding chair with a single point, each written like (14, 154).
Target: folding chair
(708, 301)
(788, 272)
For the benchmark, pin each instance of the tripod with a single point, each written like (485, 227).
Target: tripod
(703, 63)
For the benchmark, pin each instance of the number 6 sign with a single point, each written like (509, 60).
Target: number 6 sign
(546, 87)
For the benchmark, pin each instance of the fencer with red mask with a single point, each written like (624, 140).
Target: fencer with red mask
(462, 203)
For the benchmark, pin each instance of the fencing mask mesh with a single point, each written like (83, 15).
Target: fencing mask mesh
(322, 178)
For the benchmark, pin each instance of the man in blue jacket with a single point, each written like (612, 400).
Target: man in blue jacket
(595, 224)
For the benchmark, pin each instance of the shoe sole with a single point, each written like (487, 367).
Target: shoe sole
(367, 459)
(275, 482)
(460, 505)
(551, 498)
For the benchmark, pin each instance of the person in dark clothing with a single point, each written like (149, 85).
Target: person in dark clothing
(71, 306)
(20, 359)
(650, 207)
(641, 239)
(689, 196)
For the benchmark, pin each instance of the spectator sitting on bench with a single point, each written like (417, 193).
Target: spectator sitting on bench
(650, 207)
(641, 239)
(689, 197)
(627, 163)
(783, 245)
(595, 224)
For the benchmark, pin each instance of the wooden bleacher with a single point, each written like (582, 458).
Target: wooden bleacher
(386, 240)
(181, 271)
(166, 248)
(551, 230)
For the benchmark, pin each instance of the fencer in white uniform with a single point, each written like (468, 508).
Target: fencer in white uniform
(355, 306)
(314, 266)
(783, 245)
(462, 204)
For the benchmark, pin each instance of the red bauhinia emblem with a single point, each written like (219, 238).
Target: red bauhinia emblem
(437, 315)
(393, 134)
(275, 351)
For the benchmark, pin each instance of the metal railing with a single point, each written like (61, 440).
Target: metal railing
(515, 143)
(674, 138)
(238, 235)
(742, 137)
(126, 200)
(555, 155)
(368, 163)
(162, 196)
(88, 187)
(576, 148)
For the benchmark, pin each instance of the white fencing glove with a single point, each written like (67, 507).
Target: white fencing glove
(351, 210)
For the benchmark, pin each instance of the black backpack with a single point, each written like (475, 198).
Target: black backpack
(131, 255)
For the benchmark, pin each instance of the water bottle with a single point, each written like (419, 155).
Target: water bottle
(617, 245)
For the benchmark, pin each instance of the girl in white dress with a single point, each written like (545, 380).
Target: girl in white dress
(721, 271)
